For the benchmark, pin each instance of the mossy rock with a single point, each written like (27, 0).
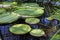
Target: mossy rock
(8, 17)
(37, 32)
(20, 29)
(32, 20)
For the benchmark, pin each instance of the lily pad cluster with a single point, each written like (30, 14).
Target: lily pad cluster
(56, 16)
(24, 10)
(21, 29)
(8, 5)
(28, 11)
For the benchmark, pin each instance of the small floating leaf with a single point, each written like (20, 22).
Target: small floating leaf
(37, 32)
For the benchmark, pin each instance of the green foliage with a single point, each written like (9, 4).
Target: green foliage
(8, 18)
(2, 10)
(56, 16)
(20, 29)
(56, 36)
(49, 18)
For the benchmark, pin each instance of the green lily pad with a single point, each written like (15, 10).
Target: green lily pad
(20, 29)
(32, 20)
(37, 32)
(8, 18)
(30, 5)
(29, 11)
(49, 18)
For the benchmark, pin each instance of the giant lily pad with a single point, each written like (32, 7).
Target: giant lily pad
(29, 11)
(32, 20)
(37, 32)
(20, 29)
(8, 18)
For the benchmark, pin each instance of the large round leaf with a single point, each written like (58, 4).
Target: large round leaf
(29, 10)
(8, 18)
(20, 29)
(32, 20)
(37, 32)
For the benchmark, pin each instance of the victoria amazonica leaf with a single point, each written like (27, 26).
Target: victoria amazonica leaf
(31, 5)
(20, 29)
